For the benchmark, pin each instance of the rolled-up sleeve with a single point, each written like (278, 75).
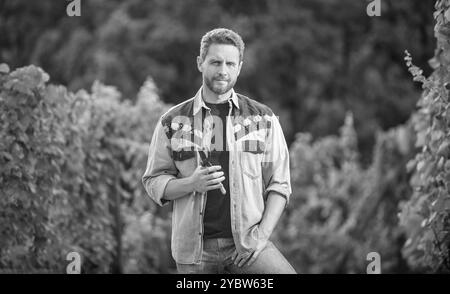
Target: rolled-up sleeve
(160, 166)
(275, 165)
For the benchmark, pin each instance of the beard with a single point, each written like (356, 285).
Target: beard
(217, 89)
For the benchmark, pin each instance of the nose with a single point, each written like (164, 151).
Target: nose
(223, 69)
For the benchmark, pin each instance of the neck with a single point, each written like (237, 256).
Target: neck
(211, 97)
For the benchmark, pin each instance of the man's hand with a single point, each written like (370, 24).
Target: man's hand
(248, 258)
(208, 178)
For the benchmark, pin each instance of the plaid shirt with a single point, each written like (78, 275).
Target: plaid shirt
(259, 164)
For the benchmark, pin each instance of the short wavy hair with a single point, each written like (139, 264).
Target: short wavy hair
(221, 36)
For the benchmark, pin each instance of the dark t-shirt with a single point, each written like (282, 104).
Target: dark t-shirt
(217, 219)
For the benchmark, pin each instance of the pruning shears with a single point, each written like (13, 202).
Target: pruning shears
(205, 162)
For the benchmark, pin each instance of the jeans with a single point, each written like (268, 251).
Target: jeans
(216, 259)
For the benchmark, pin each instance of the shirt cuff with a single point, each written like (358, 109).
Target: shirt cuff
(279, 190)
(157, 187)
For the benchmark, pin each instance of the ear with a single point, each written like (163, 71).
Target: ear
(199, 64)
(239, 67)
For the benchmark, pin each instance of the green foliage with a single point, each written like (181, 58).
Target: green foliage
(340, 211)
(70, 169)
(426, 215)
(409, 174)
(31, 155)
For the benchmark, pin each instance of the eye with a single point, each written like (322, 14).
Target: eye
(231, 63)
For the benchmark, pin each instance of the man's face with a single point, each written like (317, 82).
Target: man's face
(220, 68)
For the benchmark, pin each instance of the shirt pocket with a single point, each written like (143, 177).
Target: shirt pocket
(251, 165)
(251, 149)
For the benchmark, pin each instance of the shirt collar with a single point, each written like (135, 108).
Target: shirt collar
(199, 102)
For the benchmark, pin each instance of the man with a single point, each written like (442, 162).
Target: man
(222, 159)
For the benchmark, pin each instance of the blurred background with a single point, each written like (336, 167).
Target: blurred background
(80, 97)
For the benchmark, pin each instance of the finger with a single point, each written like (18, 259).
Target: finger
(213, 187)
(203, 170)
(235, 254)
(240, 258)
(214, 175)
(244, 260)
(215, 181)
(253, 258)
(237, 260)
(213, 168)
